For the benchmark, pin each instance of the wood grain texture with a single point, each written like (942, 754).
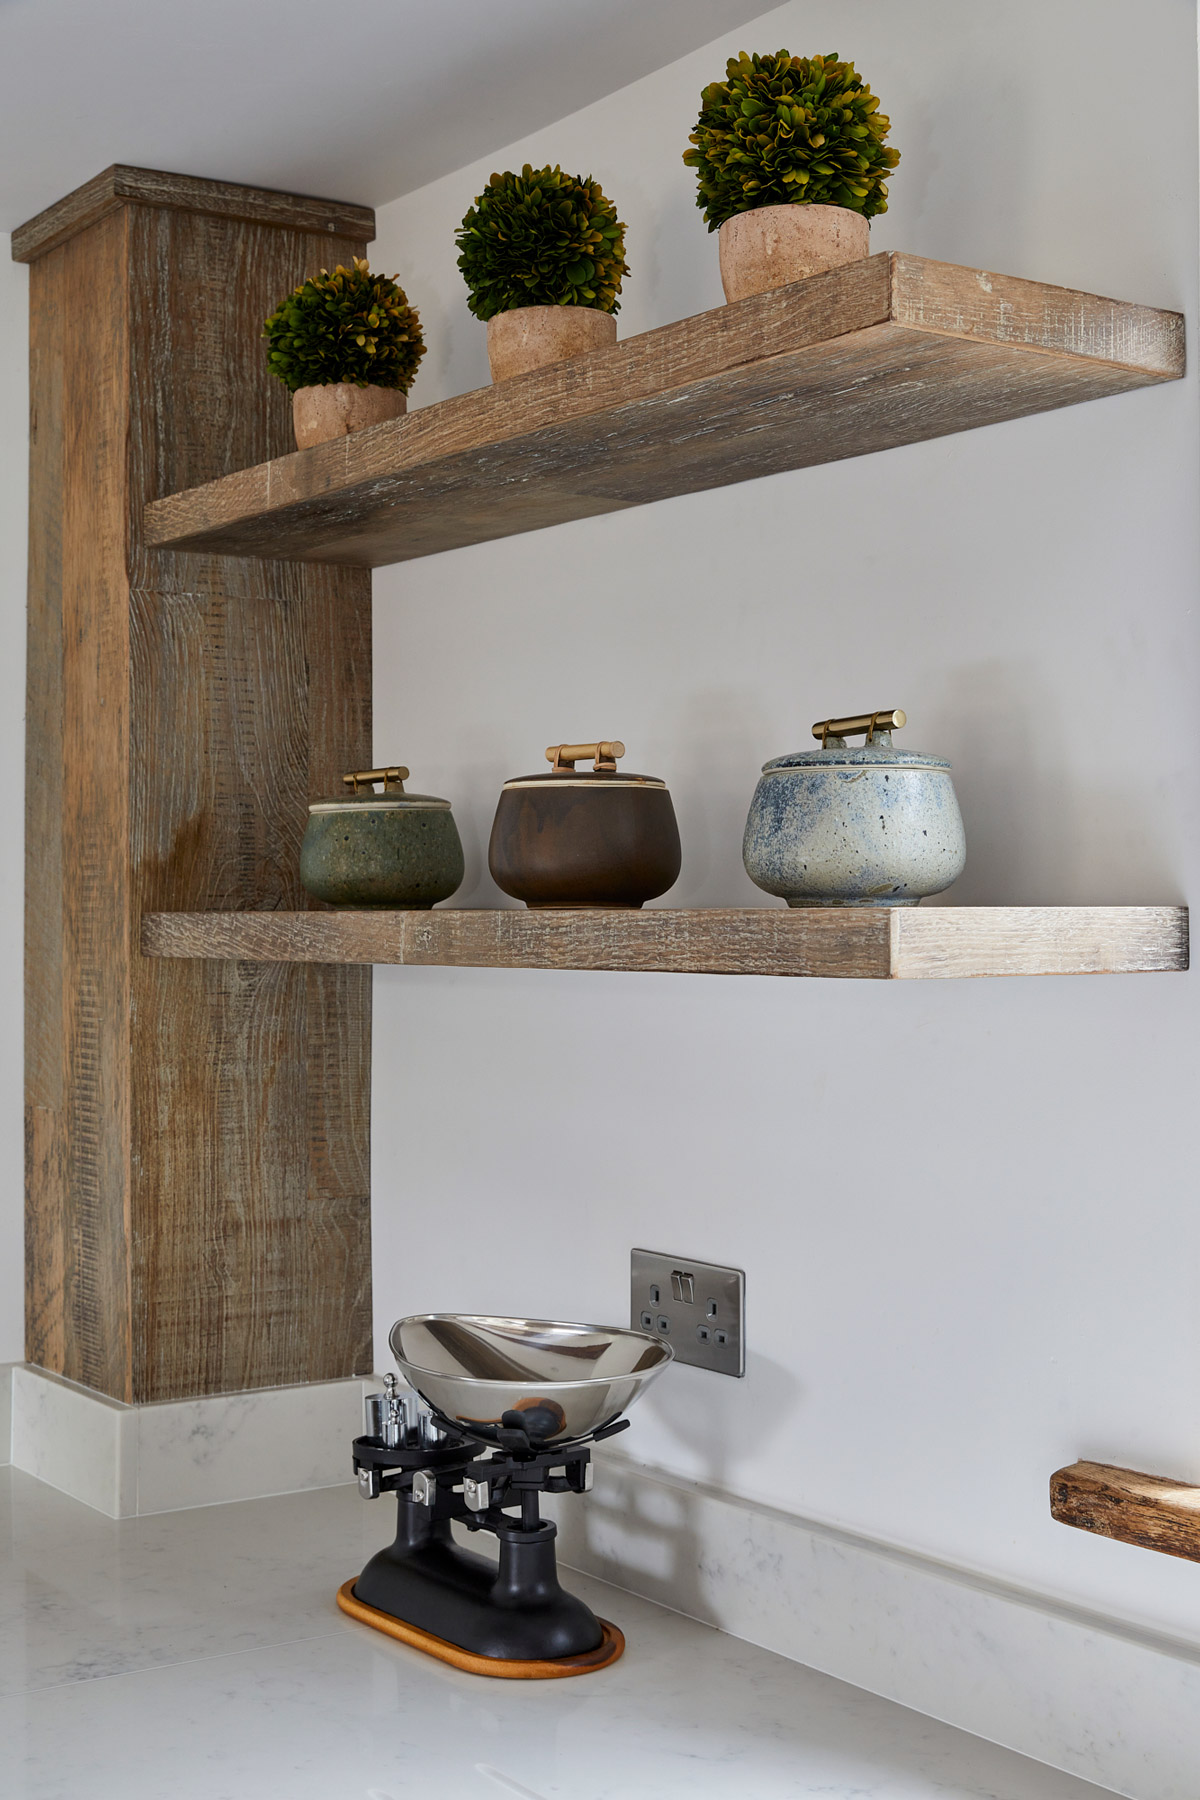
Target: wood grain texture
(949, 941)
(854, 942)
(1147, 1510)
(888, 351)
(205, 1128)
(79, 942)
(50, 1303)
(119, 185)
(750, 941)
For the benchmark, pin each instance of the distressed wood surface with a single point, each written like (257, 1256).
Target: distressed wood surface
(51, 1279)
(78, 942)
(198, 1134)
(1038, 940)
(734, 941)
(1147, 1510)
(855, 942)
(119, 185)
(887, 351)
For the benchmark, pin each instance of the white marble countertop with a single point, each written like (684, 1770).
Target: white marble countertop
(199, 1656)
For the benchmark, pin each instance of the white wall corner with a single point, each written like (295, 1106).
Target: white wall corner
(131, 1460)
(1087, 1694)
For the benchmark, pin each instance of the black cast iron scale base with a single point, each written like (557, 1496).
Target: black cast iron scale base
(511, 1619)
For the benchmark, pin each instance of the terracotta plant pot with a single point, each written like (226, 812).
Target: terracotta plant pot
(774, 245)
(340, 407)
(531, 336)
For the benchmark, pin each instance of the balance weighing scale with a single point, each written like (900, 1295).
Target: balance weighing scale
(503, 1411)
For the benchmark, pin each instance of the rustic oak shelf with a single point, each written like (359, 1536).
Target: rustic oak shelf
(909, 944)
(1147, 1510)
(887, 351)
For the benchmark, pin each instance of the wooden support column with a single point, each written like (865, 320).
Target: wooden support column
(197, 1133)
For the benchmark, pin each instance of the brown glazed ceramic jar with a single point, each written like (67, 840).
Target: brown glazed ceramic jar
(584, 837)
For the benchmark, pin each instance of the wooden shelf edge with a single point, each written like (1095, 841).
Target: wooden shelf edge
(851, 943)
(887, 351)
(1147, 1510)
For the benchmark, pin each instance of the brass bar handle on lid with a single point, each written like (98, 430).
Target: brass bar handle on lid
(869, 723)
(393, 779)
(565, 756)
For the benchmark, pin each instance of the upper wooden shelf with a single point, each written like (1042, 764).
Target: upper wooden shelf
(910, 943)
(886, 351)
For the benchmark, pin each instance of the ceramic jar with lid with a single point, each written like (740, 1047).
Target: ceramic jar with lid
(584, 837)
(389, 849)
(866, 826)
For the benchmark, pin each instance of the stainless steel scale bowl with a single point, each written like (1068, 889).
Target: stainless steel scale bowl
(566, 1380)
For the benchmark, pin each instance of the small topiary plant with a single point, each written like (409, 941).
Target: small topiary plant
(541, 238)
(348, 325)
(784, 129)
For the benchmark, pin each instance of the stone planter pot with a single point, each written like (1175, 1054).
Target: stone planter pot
(775, 245)
(531, 336)
(340, 407)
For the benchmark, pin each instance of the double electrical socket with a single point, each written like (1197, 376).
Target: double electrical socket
(699, 1307)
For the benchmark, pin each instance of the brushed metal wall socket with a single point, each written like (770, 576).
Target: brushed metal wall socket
(699, 1307)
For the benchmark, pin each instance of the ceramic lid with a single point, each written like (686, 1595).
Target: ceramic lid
(593, 778)
(363, 798)
(877, 751)
(603, 772)
(837, 753)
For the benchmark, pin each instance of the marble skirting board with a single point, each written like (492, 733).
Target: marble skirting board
(128, 1460)
(1086, 1694)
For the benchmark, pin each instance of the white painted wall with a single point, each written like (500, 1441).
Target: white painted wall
(967, 1211)
(14, 488)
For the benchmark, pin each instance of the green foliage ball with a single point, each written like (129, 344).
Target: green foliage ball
(345, 325)
(783, 129)
(541, 238)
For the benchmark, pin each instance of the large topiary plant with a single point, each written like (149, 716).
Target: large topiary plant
(541, 238)
(783, 129)
(348, 325)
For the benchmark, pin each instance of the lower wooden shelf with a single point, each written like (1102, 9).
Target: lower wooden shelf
(1147, 1510)
(877, 944)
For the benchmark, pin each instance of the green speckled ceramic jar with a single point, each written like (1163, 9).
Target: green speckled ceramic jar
(390, 850)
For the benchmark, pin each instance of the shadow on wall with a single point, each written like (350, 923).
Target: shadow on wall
(937, 205)
(717, 747)
(1038, 832)
(704, 1412)
(648, 1531)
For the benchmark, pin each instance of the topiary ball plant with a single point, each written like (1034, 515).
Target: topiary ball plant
(784, 129)
(345, 325)
(541, 238)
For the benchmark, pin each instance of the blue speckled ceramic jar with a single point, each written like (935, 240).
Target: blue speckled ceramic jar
(872, 826)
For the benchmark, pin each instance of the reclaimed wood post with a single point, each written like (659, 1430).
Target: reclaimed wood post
(197, 1133)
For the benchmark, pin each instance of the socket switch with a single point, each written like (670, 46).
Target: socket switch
(699, 1307)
